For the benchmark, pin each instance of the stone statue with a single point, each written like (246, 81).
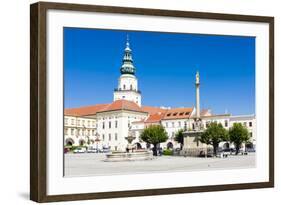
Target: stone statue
(197, 78)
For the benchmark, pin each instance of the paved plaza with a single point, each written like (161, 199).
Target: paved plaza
(91, 164)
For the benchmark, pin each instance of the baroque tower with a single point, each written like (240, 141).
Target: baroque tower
(127, 83)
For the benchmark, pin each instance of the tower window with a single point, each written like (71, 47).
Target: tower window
(123, 97)
(124, 87)
(131, 87)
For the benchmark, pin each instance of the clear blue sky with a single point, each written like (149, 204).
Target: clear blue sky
(166, 64)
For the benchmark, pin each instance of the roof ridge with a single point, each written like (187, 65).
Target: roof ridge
(87, 106)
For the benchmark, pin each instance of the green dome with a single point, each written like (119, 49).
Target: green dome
(127, 66)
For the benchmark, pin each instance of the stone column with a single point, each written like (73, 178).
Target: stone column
(197, 84)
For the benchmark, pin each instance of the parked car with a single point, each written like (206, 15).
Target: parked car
(250, 150)
(243, 152)
(228, 151)
(225, 152)
(66, 150)
(92, 150)
(80, 150)
(105, 150)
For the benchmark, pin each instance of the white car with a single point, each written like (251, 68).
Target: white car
(92, 150)
(80, 150)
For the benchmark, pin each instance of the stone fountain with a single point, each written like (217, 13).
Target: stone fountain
(130, 154)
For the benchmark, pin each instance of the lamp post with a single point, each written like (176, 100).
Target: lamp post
(206, 155)
(97, 140)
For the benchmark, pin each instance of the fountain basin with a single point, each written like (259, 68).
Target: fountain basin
(128, 156)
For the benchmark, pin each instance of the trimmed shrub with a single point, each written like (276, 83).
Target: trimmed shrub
(167, 152)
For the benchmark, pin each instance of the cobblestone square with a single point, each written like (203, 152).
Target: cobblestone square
(87, 164)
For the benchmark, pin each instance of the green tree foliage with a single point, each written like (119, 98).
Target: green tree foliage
(238, 134)
(179, 137)
(213, 135)
(154, 134)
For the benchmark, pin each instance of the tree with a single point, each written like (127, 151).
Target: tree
(238, 134)
(179, 137)
(154, 134)
(213, 135)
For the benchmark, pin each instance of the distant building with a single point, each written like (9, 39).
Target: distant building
(107, 125)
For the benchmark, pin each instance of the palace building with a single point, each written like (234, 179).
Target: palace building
(107, 125)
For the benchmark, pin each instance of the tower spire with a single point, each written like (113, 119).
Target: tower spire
(128, 43)
(127, 66)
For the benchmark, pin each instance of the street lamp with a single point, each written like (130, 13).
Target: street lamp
(97, 140)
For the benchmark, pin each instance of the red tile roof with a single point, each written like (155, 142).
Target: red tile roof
(152, 110)
(156, 114)
(157, 117)
(82, 111)
(122, 105)
(178, 113)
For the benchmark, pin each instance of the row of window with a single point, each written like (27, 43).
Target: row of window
(111, 118)
(249, 124)
(81, 132)
(174, 124)
(116, 125)
(89, 123)
(110, 124)
(184, 124)
(180, 124)
(131, 87)
(110, 137)
(225, 124)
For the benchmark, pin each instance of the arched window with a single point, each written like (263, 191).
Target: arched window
(131, 87)
(69, 142)
(81, 142)
(124, 87)
(170, 145)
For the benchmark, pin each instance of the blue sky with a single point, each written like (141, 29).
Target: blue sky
(166, 65)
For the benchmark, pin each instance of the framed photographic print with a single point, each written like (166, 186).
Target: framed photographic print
(134, 102)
